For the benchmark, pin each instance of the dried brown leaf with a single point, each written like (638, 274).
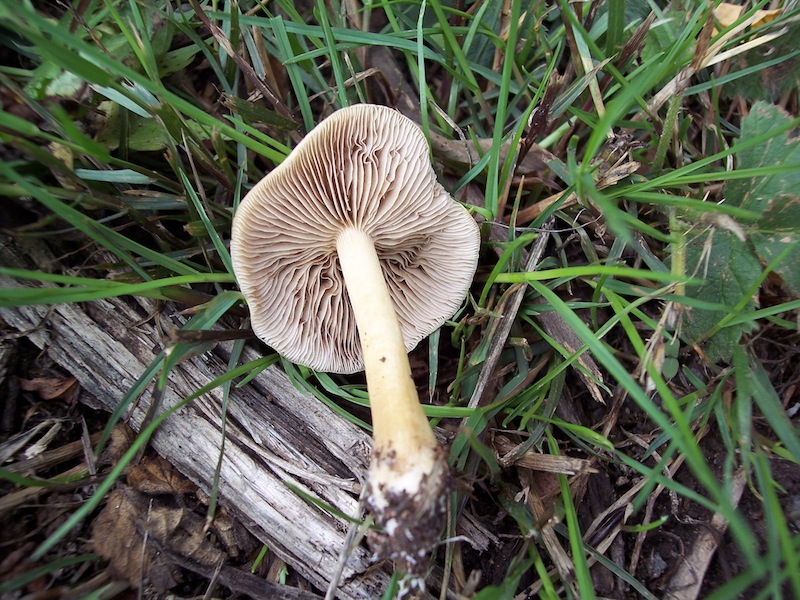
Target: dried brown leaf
(157, 476)
(16, 561)
(118, 537)
(51, 388)
(556, 328)
(148, 525)
(236, 539)
(727, 14)
(120, 441)
(181, 532)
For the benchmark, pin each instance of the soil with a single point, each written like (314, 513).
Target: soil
(36, 392)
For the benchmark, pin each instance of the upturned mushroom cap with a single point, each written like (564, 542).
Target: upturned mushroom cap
(366, 167)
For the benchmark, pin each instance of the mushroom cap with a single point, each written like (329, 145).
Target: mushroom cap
(366, 167)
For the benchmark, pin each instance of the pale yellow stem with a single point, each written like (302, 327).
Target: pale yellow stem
(399, 423)
(408, 474)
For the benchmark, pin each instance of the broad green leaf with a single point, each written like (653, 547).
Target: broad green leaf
(661, 37)
(732, 267)
(775, 197)
(253, 113)
(177, 60)
(768, 195)
(64, 85)
(768, 81)
(770, 246)
(143, 134)
(729, 270)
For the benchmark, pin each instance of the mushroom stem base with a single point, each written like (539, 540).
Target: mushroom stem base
(410, 507)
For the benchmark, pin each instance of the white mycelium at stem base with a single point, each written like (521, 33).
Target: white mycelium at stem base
(408, 474)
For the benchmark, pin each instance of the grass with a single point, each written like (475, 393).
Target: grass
(669, 199)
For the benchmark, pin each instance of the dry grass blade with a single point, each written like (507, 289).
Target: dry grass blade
(710, 54)
(52, 457)
(245, 67)
(688, 579)
(545, 522)
(590, 373)
(530, 459)
(462, 153)
(76, 479)
(500, 327)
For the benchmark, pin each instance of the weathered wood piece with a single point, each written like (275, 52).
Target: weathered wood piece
(275, 434)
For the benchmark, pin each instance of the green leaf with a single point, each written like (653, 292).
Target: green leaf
(769, 195)
(64, 85)
(253, 113)
(776, 197)
(771, 246)
(730, 270)
(127, 176)
(177, 60)
(661, 38)
(143, 134)
(771, 76)
(733, 267)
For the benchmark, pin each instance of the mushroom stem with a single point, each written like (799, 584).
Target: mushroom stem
(398, 418)
(408, 472)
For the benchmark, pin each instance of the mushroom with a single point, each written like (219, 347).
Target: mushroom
(349, 253)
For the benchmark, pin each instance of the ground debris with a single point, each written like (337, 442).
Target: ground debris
(52, 388)
(156, 514)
